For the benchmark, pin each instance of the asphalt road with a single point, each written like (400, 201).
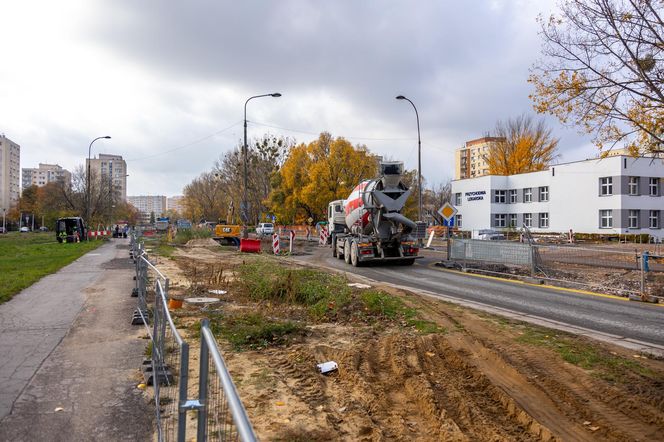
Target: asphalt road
(619, 318)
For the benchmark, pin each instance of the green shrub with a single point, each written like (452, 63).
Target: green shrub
(184, 235)
(252, 330)
(383, 304)
(264, 280)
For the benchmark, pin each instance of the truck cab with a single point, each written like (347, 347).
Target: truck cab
(336, 218)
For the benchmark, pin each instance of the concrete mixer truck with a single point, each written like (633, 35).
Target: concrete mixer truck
(368, 225)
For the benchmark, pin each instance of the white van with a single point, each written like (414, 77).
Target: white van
(265, 229)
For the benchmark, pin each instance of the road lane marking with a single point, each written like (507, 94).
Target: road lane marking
(547, 286)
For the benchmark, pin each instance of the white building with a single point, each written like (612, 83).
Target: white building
(618, 194)
(44, 174)
(10, 173)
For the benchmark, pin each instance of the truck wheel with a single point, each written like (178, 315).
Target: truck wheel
(407, 262)
(347, 251)
(355, 255)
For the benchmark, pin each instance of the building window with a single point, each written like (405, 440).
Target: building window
(459, 220)
(544, 193)
(499, 220)
(457, 199)
(606, 219)
(499, 196)
(528, 219)
(633, 185)
(653, 219)
(606, 185)
(633, 219)
(512, 219)
(544, 220)
(653, 186)
(528, 195)
(513, 196)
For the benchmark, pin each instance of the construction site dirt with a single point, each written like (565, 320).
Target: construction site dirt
(467, 376)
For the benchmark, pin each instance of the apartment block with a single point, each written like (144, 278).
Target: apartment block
(148, 204)
(176, 204)
(10, 172)
(112, 166)
(44, 174)
(470, 161)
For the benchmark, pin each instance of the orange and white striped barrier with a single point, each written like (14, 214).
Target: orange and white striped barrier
(275, 243)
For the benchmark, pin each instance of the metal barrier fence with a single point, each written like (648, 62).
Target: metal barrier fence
(224, 418)
(498, 252)
(221, 415)
(558, 263)
(607, 257)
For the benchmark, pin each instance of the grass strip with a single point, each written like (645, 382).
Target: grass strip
(25, 258)
(606, 365)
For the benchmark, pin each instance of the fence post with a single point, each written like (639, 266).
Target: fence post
(533, 269)
(203, 380)
(183, 387)
(449, 244)
(643, 275)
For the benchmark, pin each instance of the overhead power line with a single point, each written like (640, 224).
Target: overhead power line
(191, 143)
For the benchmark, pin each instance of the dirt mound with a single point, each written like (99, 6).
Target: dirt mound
(201, 242)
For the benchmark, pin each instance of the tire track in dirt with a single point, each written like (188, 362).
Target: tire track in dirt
(420, 388)
(561, 395)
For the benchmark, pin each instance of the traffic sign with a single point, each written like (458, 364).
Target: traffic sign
(447, 211)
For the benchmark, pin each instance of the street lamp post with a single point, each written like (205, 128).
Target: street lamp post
(244, 209)
(87, 179)
(419, 159)
(4, 225)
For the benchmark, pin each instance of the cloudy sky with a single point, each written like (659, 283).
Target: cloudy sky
(168, 79)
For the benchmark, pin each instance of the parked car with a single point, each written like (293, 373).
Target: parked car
(488, 235)
(265, 229)
(25, 229)
(43, 229)
(2, 230)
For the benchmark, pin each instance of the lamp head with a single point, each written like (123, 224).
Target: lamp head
(276, 95)
(400, 97)
(108, 137)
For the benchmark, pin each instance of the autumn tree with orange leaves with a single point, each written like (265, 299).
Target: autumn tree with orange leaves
(525, 147)
(315, 174)
(603, 70)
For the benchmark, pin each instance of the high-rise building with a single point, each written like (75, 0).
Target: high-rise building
(114, 167)
(10, 172)
(470, 161)
(44, 174)
(176, 204)
(148, 204)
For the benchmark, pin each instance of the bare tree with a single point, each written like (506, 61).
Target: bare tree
(206, 197)
(103, 198)
(603, 71)
(265, 157)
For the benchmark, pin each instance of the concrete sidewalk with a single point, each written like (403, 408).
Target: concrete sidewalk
(66, 344)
